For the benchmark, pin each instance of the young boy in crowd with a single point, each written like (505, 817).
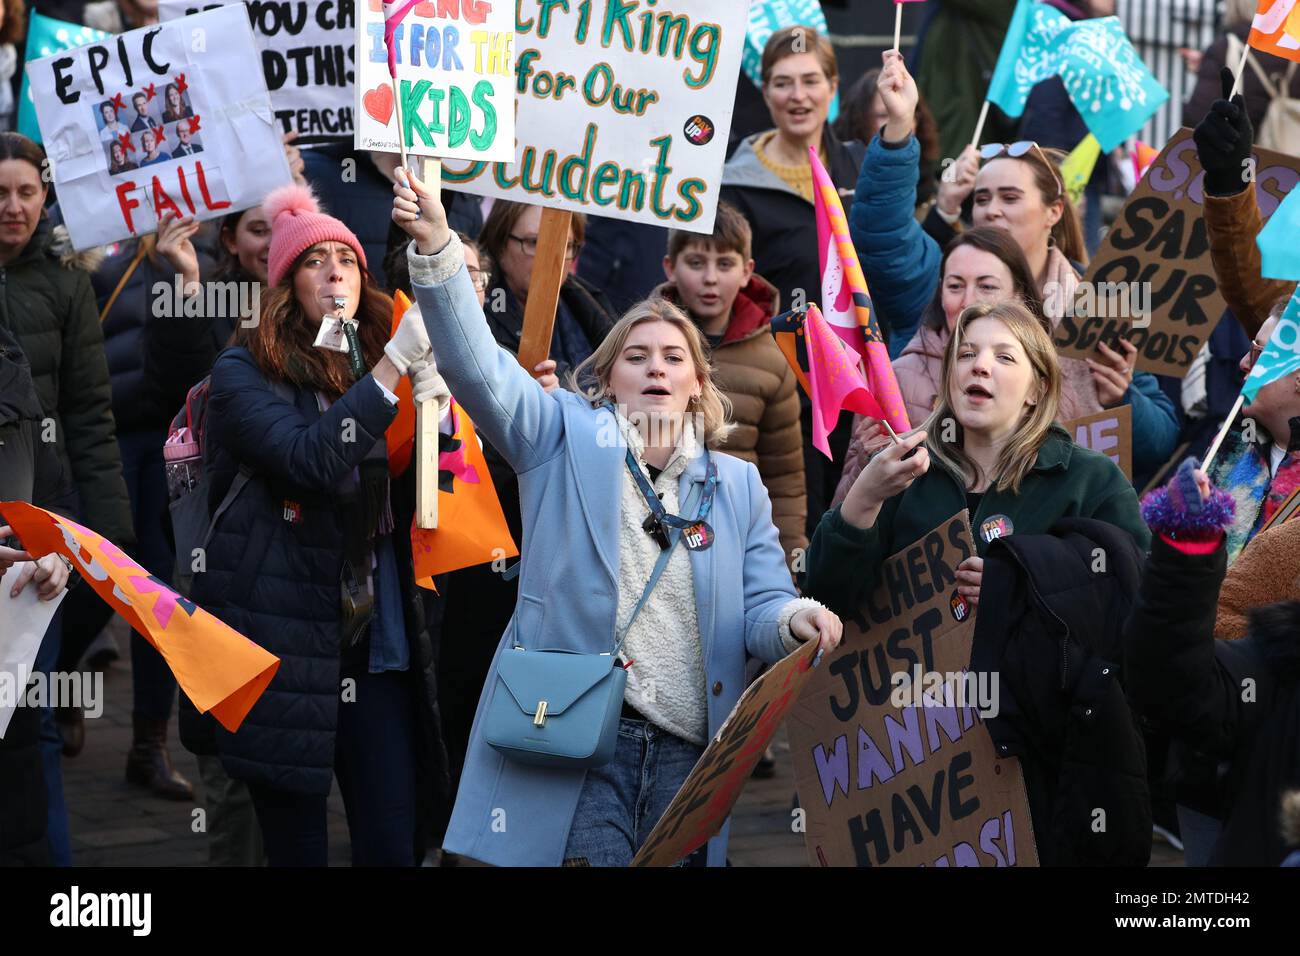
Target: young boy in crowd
(712, 279)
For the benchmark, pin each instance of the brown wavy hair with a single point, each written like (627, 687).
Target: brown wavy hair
(281, 342)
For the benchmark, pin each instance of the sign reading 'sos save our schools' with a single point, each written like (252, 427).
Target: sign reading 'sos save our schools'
(624, 107)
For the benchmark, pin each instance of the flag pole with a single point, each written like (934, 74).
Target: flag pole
(979, 127)
(1223, 433)
(1241, 69)
(898, 24)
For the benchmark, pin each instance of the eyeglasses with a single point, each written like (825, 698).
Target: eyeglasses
(1019, 150)
(528, 246)
(480, 279)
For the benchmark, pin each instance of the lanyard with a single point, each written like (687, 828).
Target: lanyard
(659, 520)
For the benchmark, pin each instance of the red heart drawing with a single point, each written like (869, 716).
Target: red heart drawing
(379, 102)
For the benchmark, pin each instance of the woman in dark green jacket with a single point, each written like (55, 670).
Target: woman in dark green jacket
(990, 447)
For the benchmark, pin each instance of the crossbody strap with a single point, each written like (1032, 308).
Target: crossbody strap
(664, 555)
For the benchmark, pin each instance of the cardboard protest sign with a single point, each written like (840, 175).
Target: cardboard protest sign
(174, 117)
(624, 109)
(307, 55)
(1110, 432)
(705, 800)
(455, 70)
(1152, 280)
(892, 762)
(45, 36)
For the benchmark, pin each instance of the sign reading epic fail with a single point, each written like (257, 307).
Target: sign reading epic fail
(155, 121)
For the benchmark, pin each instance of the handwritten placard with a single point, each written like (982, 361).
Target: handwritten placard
(1110, 432)
(893, 764)
(624, 110)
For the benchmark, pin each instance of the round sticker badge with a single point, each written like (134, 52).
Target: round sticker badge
(998, 526)
(960, 607)
(698, 537)
(699, 130)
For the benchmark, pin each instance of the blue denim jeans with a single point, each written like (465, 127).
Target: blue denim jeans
(622, 801)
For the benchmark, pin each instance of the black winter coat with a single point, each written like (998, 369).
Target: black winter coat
(47, 303)
(1049, 622)
(29, 471)
(277, 581)
(1231, 708)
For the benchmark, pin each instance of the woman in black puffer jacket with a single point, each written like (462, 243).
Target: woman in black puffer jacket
(29, 471)
(315, 527)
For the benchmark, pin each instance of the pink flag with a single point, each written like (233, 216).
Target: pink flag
(846, 303)
(836, 379)
(394, 12)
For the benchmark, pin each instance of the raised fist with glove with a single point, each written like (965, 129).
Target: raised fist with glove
(409, 343)
(427, 384)
(1225, 141)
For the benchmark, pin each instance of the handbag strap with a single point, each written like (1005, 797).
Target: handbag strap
(675, 535)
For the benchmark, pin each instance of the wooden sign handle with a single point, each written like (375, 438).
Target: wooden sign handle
(549, 268)
(426, 413)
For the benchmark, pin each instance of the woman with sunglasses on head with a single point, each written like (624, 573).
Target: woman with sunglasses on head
(1019, 190)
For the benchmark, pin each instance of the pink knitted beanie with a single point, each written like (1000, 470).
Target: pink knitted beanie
(297, 224)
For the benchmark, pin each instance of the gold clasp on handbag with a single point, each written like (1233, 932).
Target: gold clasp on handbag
(539, 718)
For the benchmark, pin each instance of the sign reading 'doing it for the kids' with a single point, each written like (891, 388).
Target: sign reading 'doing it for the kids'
(169, 118)
(455, 76)
(307, 55)
(624, 109)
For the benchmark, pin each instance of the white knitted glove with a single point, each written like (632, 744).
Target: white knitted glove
(427, 384)
(411, 341)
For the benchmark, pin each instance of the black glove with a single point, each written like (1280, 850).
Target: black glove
(1224, 141)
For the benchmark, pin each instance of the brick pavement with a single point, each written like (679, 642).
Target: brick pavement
(115, 824)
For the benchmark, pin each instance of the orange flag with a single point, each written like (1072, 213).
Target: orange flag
(400, 437)
(1276, 29)
(472, 527)
(221, 670)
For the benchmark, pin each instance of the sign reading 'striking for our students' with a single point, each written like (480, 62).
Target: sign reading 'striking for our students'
(624, 108)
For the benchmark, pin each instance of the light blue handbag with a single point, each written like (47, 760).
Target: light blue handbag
(558, 708)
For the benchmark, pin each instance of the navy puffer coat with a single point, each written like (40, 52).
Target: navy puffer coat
(273, 567)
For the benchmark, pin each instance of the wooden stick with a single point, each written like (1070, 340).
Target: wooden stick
(426, 412)
(898, 24)
(1241, 68)
(130, 270)
(401, 131)
(979, 127)
(1223, 433)
(549, 267)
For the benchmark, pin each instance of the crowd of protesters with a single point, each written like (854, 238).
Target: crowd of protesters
(663, 336)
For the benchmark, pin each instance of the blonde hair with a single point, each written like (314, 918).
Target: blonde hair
(591, 378)
(1021, 452)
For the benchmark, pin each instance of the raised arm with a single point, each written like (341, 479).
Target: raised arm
(508, 406)
(263, 429)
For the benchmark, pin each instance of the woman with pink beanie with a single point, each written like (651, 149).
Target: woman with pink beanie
(309, 555)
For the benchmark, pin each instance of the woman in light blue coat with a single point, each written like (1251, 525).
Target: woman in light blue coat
(589, 549)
